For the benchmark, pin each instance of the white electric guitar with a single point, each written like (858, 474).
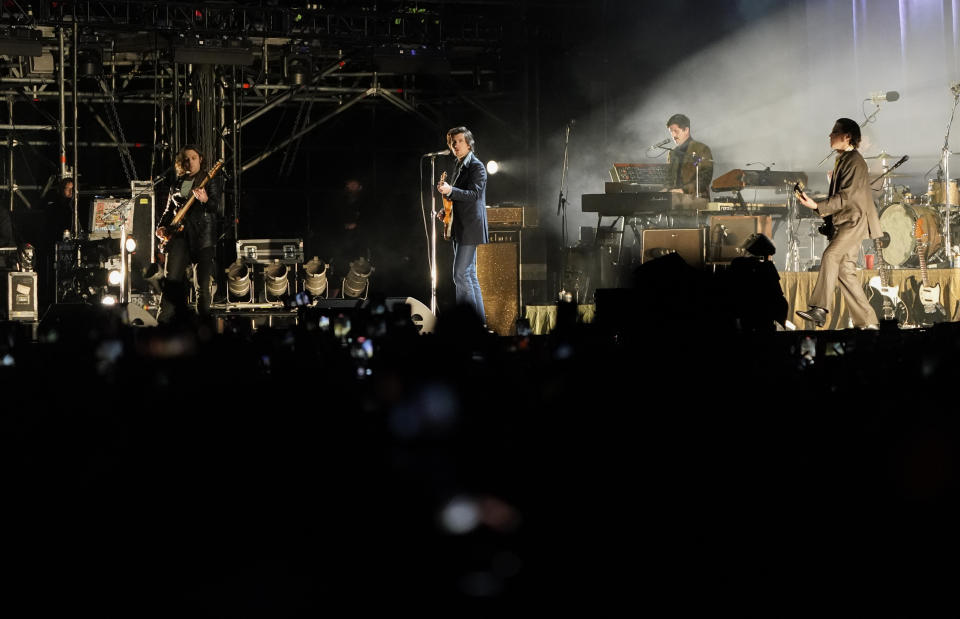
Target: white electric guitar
(931, 310)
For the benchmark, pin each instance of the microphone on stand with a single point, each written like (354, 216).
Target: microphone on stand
(439, 153)
(889, 96)
(663, 143)
(902, 161)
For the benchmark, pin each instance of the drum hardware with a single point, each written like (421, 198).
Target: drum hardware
(935, 191)
(884, 155)
(887, 193)
(951, 255)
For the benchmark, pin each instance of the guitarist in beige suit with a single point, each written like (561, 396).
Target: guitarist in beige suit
(850, 218)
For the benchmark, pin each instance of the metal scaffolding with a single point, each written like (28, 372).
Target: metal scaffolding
(209, 69)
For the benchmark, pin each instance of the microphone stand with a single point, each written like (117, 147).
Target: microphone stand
(945, 158)
(433, 235)
(696, 164)
(562, 202)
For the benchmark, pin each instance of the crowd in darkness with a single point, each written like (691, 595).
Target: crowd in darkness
(349, 459)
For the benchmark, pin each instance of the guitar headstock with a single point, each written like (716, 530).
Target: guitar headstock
(216, 168)
(798, 190)
(443, 177)
(919, 233)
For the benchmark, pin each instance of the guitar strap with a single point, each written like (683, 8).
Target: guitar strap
(833, 177)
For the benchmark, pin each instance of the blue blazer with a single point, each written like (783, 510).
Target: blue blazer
(469, 196)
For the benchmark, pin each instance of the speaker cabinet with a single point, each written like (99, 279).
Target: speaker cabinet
(728, 233)
(21, 296)
(533, 268)
(498, 269)
(144, 224)
(689, 243)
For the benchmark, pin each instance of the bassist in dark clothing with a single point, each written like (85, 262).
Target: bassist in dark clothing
(196, 245)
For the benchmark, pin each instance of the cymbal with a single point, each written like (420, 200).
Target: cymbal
(884, 155)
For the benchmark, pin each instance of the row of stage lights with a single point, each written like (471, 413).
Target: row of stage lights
(313, 278)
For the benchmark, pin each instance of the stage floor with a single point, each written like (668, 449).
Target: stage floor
(797, 288)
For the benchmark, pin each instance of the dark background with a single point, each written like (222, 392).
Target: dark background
(545, 64)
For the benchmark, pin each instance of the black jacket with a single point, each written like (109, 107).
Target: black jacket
(469, 198)
(200, 224)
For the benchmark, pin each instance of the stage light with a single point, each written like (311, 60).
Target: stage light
(89, 62)
(131, 245)
(26, 257)
(356, 285)
(114, 277)
(238, 280)
(315, 276)
(493, 167)
(275, 280)
(108, 299)
(299, 69)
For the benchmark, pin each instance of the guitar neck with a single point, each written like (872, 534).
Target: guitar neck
(186, 207)
(922, 256)
(182, 212)
(882, 268)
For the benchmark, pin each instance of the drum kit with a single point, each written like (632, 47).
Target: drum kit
(900, 209)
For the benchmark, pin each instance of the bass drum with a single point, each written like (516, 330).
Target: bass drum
(899, 220)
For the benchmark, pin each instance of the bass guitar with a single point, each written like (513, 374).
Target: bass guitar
(930, 310)
(884, 298)
(447, 213)
(826, 228)
(168, 231)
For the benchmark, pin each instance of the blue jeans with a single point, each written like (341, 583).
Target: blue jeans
(465, 281)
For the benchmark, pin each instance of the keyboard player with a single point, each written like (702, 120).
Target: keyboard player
(685, 158)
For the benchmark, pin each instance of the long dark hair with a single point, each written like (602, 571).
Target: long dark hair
(182, 165)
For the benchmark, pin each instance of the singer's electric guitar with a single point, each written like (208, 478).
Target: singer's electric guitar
(826, 229)
(168, 231)
(447, 213)
(884, 298)
(930, 310)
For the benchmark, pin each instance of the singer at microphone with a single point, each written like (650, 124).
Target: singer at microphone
(467, 191)
(689, 161)
(439, 153)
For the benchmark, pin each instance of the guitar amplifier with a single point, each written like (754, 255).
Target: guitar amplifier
(729, 232)
(689, 243)
(268, 251)
(505, 217)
